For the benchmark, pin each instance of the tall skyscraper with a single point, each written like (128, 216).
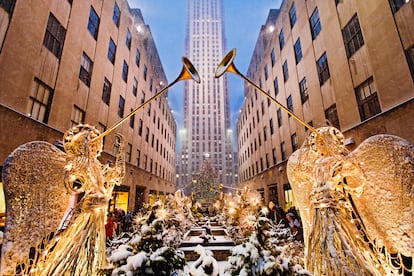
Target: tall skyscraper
(207, 134)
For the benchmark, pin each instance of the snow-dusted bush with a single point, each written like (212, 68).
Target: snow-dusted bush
(270, 250)
(149, 250)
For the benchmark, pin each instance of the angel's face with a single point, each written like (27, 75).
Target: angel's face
(329, 141)
(79, 141)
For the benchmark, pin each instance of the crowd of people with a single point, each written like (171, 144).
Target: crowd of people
(289, 218)
(118, 221)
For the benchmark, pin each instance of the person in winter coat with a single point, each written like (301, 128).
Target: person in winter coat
(110, 227)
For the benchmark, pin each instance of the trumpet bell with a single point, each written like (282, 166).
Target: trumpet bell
(226, 64)
(189, 71)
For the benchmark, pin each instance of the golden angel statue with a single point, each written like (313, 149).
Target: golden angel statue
(39, 180)
(357, 207)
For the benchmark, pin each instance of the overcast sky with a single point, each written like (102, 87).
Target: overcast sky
(167, 21)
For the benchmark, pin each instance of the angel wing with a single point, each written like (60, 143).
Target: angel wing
(380, 176)
(386, 199)
(36, 198)
(301, 175)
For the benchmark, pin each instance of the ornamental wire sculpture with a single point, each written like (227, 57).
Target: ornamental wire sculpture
(41, 182)
(357, 207)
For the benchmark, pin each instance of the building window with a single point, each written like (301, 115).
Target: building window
(145, 72)
(271, 126)
(283, 150)
(101, 127)
(117, 15)
(292, 15)
(142, 97)
(273, 57)
(135, 87)
(137, 57)
(93, 24)
(331, 114)
(310, 123)
(294, 140)
(8, 5)
(128, 39)
(78, 116)
(274, 156)
(352, 36)
(147, 134)
(125, 72)
(409, 53)
(266, 72)
(298, 51)
(281, 40)
(121, 106)
(276, 86)
(111, 51)
(304, 96)
(323, 69)
(138, 158)
(106, 91)
(288, 196)
(285, 71)
(367, 99)
(128, 153)
(145, 161)
(279, 117)
(54, 36)
(132, 119)
(86, 70)
(117, 144)
(140, 127)
(150, 85)
(397, 4)
(289, 103)
(260, 140)
(40, 100)
(267, 161)
(265, 134)
(315, 23)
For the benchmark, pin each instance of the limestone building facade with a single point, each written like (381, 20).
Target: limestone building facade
(65, 62)
(347, 62)
(207, 134)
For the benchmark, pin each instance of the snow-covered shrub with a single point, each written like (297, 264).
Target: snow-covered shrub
(270, 250)
(146, 251)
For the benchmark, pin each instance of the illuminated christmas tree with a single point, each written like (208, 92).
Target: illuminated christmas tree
(205, 187)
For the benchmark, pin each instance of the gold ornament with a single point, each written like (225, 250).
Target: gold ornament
(80, 248)
(357, 207)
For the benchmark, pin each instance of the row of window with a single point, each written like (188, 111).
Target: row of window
(353, 41)
(149, 165)
(39, 107)
(368, 104)
(55, 36)
(41, 98)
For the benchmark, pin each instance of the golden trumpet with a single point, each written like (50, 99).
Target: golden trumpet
(187, 73)
(227, 65)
